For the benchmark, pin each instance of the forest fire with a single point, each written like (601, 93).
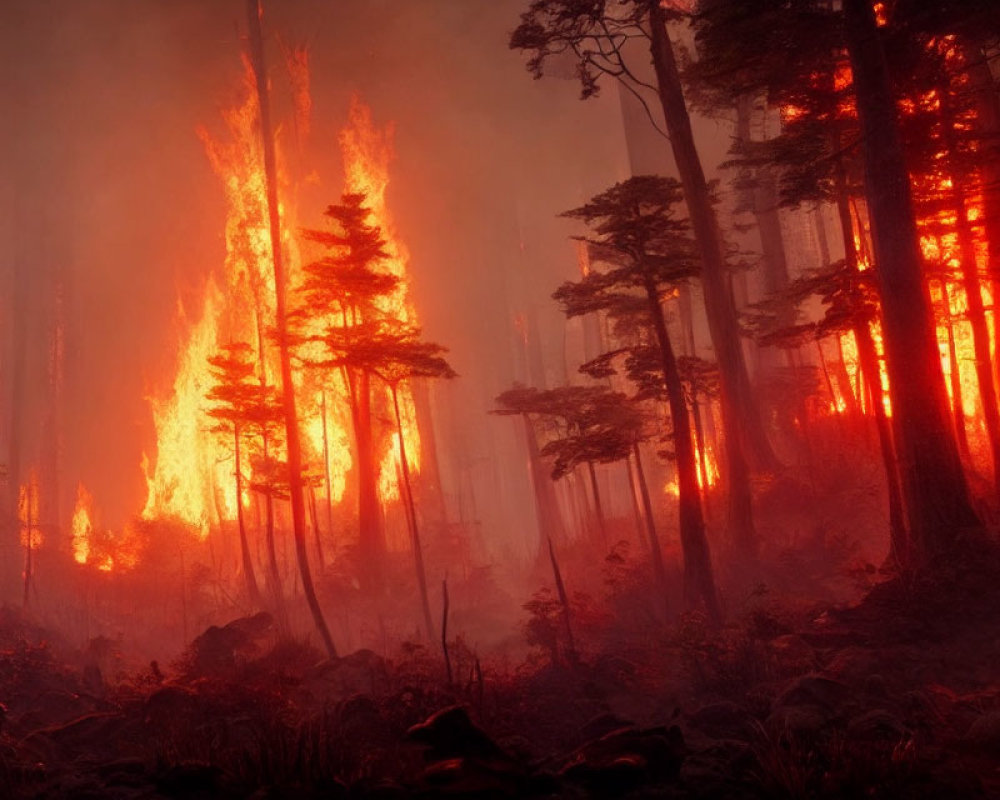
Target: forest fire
(703, 500)
(192, 480)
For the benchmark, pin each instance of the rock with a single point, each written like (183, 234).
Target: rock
(218, 649)
(361, 672)
(796, 722)
(853, 664)
(622, 760)
(984, 733)
(876, 725)
(450, 734)
(601, 725)
(472, 777)
(792, 654)
(815, 690)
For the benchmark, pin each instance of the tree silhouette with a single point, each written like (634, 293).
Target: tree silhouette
(596, 36)
(235, 392)
(281, 325)
(393, 352)
(340, 293)
(645, 251)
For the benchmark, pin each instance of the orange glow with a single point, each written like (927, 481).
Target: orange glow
(367, 152)
(192, 475)
(82, 525)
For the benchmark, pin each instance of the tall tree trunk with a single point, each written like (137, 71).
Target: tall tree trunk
(571, 653)
(326, 467)
(980, 334)
(317, 539)
(659, 570)
(371, 542)
(699, 581)
(633, 493)
(249, 575)
(870, 374)
(761, 200)
(602, 527)
(418, 551)
(274, 576)
(287, 385)
(743, 427)
(745, 434)
(987, 129)
(550, 523)
(935, 491)
(899, 546)
(955, 379)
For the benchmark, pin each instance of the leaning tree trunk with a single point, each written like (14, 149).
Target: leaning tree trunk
(287, 385)
(602, 527)
(741, 414)
(934, 487)
(418, 551)
(659, 570)
(742, 422)
(870, 374)
(955, 379)
(698, 578)
(371, 542)
(253, 591)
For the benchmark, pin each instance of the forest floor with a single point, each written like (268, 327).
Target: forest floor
(897, 696)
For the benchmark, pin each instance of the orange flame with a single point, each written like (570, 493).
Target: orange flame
(82, 525)
(193, 475)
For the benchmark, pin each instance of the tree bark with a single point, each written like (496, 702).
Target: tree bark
(418, 551)
(249, 575)
(955, 380)
(934, 487)
(371, 542)
(743, 427)
(870, 374)
(659, 570)
(699, 581)
(326, 467)
(602, 527)
(287, 385)
(980, 334)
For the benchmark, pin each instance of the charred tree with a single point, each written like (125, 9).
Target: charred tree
(933, 484)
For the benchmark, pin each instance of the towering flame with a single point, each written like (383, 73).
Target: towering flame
(193, 477)
(367, 152)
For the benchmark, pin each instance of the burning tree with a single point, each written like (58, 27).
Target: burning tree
(598, 39)
(341, 292)
(388, 349)
(292, 434)
(241, 403)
